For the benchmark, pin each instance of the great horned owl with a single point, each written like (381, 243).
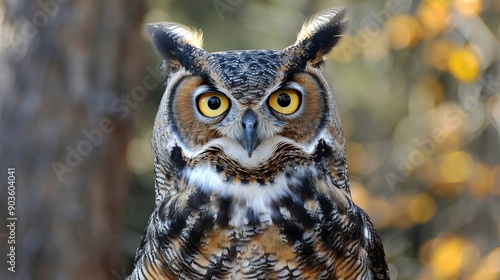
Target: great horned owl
(250, 163)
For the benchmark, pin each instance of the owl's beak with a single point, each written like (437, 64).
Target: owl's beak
(249, 123)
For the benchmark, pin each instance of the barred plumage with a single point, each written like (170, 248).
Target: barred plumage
(250, 163)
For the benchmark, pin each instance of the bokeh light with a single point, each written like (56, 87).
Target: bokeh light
(445, 260)
(464, 64)
(403, 31)
(434, 16)
(455, 167)
(437, 53)
(469, 7)
(422, 208)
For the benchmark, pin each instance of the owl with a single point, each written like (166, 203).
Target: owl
(250, 166)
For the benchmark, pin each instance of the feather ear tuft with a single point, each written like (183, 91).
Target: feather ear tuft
(175, 43)
(319, 35)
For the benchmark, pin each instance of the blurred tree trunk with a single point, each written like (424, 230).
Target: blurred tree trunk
(67, 69)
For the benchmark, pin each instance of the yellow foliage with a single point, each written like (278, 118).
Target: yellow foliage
(468, 8)
(400, 212)
(493, 261)
(464, 64)
(359, 194)
(437, 53)
(495, 180)
(422, 208)
(488, 269)
(445, 258)
(346, 50)
(378, 209)
(403, 31)
(480, 181)
(434, 17)
(455, 167)
(356, 157)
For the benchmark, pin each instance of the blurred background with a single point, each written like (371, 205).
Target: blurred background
(417, 84)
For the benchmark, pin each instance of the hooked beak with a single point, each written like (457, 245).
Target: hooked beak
(249, 123)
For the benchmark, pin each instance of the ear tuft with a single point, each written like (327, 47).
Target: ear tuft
(175, 43)
(178, 33)
(324, 21)
(319, 35)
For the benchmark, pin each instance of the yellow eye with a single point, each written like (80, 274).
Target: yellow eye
(213, 104)
(285, 101)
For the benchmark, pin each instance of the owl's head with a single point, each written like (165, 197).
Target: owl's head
(246, 104)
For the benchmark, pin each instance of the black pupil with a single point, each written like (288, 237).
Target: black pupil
(214, 103)
(284, 100)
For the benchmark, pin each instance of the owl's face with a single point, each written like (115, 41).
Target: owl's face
(246, 103)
